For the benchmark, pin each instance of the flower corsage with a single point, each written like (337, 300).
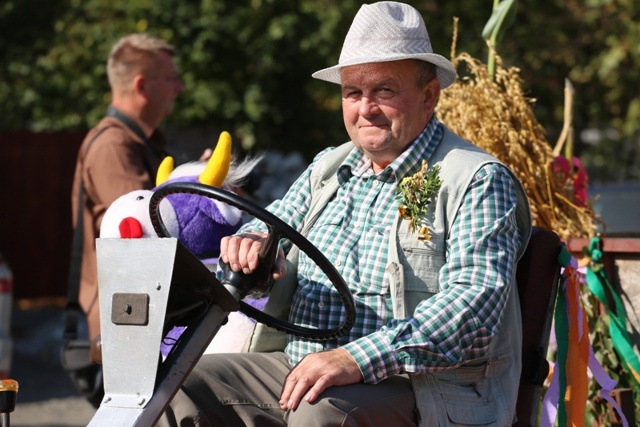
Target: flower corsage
(417, 192)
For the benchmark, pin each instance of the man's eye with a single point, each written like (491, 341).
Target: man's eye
(385, 92)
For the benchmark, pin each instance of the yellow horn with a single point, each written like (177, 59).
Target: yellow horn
(165, 169)
(218, 166)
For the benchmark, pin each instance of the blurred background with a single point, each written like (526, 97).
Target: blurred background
(246, 67)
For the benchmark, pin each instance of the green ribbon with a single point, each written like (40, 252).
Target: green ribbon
(599, 284)
(561, 321)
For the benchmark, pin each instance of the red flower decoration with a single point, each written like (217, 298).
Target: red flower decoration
(573, 176)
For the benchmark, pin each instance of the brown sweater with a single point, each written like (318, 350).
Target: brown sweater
(116, 163)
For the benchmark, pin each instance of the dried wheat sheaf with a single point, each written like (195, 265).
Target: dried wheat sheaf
(495, 114)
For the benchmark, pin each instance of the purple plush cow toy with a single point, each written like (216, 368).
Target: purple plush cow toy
(197, 221)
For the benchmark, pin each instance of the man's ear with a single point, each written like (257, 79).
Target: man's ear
(140, 85)
(431, 94)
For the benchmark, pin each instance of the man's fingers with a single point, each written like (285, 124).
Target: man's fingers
(321, 385)
(300, 389)
(315, 373)
(287, 389)
(232, 254)
(304, 381)
(280, 267)
(241, 251)
(224, 248)
(303, 388)
(249, 249)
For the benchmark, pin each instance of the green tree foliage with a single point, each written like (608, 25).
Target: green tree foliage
(596, 44)
(246, 64)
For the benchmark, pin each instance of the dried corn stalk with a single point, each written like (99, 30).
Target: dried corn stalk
(494, 114)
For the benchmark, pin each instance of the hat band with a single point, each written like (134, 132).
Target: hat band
(363, 47)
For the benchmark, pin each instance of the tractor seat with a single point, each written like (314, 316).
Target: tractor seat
(537, 275)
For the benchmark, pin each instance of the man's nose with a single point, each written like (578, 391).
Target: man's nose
(368, 106)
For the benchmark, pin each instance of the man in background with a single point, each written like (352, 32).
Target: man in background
(123, 152)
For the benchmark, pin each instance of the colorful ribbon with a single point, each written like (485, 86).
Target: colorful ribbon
(599, 285)
(566, 397)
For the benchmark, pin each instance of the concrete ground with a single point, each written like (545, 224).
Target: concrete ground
(46, 396)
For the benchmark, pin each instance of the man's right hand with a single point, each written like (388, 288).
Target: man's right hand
(241, 253)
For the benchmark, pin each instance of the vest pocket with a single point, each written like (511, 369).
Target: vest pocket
(421, 268)
(468, 404)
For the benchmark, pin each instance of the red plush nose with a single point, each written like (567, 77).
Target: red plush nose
(130, 228)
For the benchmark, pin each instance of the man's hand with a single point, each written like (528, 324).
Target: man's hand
(317, 372)
(241, 253)
(206, 155)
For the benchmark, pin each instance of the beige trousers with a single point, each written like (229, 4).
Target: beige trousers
(243, 389)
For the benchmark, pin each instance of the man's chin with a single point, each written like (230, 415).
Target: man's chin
(373, 144)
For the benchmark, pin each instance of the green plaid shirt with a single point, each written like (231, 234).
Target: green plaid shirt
(454, 326)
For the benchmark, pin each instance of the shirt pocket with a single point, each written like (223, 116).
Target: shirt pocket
(326, 230)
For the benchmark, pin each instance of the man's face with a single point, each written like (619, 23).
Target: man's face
(383, 108)
(164, 86)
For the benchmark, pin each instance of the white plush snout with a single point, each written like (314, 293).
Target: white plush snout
(136, 204)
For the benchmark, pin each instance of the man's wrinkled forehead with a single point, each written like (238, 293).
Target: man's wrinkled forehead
(377, 72)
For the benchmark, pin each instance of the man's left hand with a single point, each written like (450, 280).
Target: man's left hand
(315, 373)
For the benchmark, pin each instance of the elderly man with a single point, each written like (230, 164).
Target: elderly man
(436, 339)
(123, 152)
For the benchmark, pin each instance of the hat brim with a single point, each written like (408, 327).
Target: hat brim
(444, 69)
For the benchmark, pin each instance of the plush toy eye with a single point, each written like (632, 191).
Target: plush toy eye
(140, 198)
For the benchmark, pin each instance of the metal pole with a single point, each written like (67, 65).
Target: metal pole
(8, 395)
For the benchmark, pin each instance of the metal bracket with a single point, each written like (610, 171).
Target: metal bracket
(130, 309)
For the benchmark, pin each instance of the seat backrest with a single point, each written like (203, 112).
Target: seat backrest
(538, 274)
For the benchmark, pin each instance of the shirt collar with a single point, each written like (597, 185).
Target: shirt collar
(410, 161)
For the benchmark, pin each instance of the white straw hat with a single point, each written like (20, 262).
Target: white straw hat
(388, 31)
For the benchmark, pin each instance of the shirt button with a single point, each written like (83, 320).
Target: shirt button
(356, 224)
(376, 183)
(379, 374)
(321, 304)
(338, 263)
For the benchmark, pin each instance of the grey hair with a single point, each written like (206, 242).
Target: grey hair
(426, 72)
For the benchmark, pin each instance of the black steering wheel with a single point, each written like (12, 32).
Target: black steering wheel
(260, 281)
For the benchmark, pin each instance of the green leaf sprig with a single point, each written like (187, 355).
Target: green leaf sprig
(417, 191)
